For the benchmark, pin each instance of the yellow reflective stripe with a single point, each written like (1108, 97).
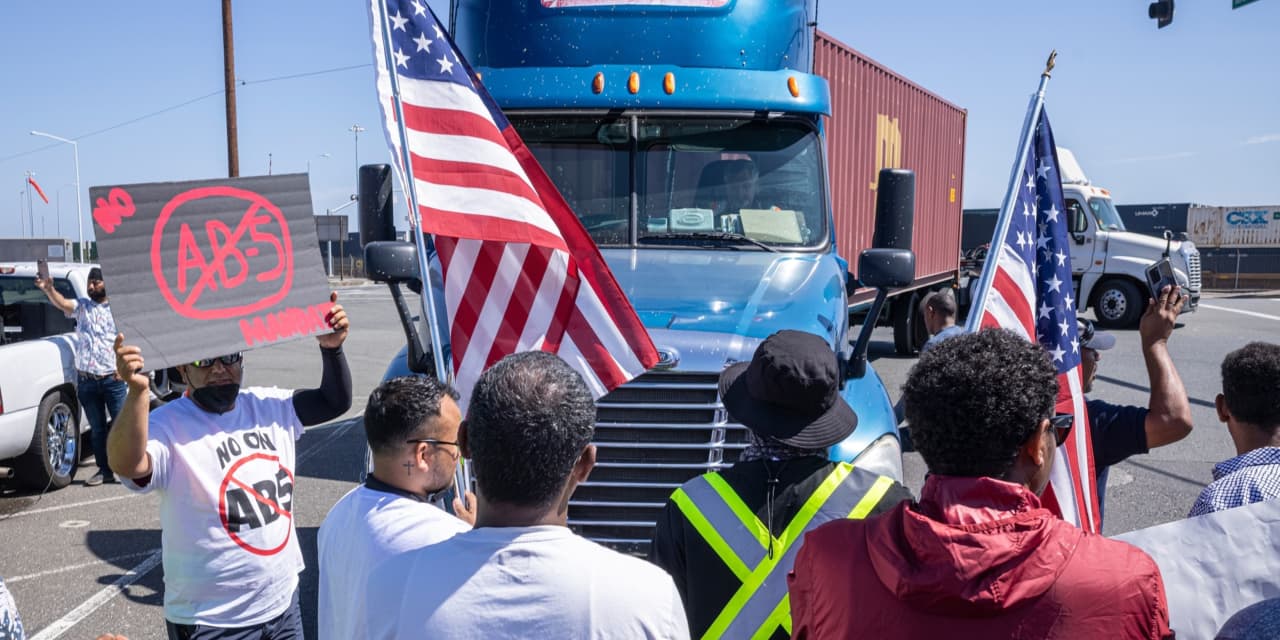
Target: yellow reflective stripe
(752, 582)
(709, 533)
(869, 501)
(781, 617)
(740, 509)
(811, 506)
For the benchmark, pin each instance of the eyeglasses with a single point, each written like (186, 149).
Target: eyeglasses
(436, 443)
(1061, 425)
(228, 360)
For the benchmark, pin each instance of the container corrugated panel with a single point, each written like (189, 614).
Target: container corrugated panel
(1154, 219)
(880, 119)
(1253, 226)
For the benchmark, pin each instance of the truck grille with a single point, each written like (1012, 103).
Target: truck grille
(1193, 271)
(652, 435)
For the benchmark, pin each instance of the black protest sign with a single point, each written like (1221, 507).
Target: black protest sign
(209, 267)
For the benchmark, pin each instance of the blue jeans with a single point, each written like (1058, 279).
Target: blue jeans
(99, 396)
(286, 626)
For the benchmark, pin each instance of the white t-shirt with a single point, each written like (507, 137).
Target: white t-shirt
(231, 555)
(521, 582)
(362, 529)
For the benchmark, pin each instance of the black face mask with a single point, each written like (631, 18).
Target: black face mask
(99, 295)
(218, 398)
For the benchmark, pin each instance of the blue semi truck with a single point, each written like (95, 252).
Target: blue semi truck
(649, 117)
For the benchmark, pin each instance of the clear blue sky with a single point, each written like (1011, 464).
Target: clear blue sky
(1186, 113)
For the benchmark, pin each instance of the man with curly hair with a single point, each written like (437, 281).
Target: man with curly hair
(977, 556)
(1250, 405)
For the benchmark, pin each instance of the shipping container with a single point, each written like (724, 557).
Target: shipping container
(1253, 226)
(976, 227)
(31, 249)
(1155, 219)
(880, 119)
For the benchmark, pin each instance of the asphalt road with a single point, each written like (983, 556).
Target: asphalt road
(83, 561)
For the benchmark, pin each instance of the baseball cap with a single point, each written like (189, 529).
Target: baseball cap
(790, 392)
(1091, 338)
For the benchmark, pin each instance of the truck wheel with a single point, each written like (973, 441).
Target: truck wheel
(51, 459)
(1118, 304)
(907, 325)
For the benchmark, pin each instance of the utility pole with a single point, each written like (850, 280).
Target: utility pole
(229, 80)
(31, 220)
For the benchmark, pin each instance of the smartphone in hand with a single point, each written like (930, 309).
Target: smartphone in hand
(42, 269)
(1159, 276)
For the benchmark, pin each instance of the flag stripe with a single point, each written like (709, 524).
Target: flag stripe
(473, 175)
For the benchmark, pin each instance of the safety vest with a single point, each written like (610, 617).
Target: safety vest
(742, 541)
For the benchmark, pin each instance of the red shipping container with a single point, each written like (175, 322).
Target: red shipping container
(880, 119)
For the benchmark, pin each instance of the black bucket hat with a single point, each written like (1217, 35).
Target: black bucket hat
(790, 392)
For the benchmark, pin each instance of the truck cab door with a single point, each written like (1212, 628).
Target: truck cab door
(1080, 227)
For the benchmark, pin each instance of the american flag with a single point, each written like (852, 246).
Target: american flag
(520, 272)
(1031, 293)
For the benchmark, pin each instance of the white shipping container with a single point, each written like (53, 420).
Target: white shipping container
(1234, 226)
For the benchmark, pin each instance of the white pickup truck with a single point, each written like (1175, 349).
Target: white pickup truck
(40, 416)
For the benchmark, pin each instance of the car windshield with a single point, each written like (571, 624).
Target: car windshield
(657, 181)
(26, 312)
(1105, 212)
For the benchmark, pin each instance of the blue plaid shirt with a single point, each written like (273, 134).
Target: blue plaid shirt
(1245, 479)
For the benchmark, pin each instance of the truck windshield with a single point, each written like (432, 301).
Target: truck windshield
(1105, 212)
(27, 314)
(658, 181)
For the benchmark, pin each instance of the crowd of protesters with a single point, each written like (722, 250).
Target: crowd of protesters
(785, 543)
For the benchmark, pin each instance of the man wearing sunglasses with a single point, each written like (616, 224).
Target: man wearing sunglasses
(411, 424)
(222, 459)
(1120, 431)
(978, 556)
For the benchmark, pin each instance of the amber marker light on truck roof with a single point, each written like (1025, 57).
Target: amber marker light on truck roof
(793, 86)
(669, 83)
(633, 83)
(597, 83)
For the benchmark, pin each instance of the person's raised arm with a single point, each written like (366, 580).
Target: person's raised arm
(127, 440)
(57, 299)
(333, 397)
(1169, 412)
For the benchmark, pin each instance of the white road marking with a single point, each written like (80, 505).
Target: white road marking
(74, 567)
(70, 506)
(64, 624)
(1239, 311)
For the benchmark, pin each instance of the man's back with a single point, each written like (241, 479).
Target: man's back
(521, 582)
(362, 529)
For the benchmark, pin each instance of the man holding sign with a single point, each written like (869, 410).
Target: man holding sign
(222, 459)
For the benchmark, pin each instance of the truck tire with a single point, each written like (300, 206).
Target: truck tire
(50, 461)
(908, 326)
(1118, 304)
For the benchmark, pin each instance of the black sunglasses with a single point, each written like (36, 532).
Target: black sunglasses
(1061, 425)
(228, 360)
(434, 442)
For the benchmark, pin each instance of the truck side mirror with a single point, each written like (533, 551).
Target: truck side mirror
(377, 222)
(391, 261)
(1079, 223)
(895, 209)
(886, 268)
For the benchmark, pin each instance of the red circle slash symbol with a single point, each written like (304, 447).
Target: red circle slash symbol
(220, 255)
(255, 504)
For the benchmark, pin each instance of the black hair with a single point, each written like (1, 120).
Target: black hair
(943, 302)
(975, 399)
(530, 417)
(1251, 384)
(399, 407)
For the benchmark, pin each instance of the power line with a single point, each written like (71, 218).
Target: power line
(186, 103)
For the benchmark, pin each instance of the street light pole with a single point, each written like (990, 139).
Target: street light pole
(356, 129)
(79, 211)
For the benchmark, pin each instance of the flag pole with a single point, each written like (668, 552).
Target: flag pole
(443, 371)
(979, 301)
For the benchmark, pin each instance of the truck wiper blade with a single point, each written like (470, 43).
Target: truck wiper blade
(717, 237)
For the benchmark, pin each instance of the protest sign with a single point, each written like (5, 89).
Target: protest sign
(209, 267)
(1215, 565)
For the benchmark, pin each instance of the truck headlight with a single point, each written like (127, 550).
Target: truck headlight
(884, 457)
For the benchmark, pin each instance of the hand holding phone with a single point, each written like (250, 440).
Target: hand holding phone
(42, 269)
(1159, 276)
